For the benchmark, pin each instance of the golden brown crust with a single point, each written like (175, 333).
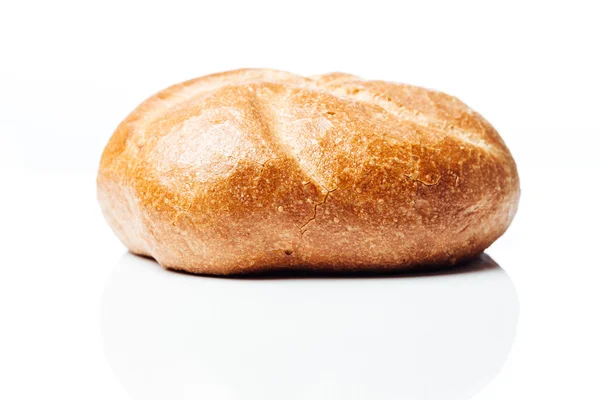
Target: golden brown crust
(254, 170)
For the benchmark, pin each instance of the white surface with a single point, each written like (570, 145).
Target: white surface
(70, 71)
(418, 337)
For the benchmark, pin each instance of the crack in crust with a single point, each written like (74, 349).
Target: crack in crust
(304, 227)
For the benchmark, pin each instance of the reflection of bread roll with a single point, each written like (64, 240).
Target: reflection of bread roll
(256, 170)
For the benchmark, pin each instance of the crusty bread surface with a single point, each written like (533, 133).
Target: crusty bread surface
(259, 170)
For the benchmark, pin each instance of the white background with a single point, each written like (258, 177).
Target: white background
(70, 71)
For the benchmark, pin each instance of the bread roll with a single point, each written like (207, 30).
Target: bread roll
(260, 170)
